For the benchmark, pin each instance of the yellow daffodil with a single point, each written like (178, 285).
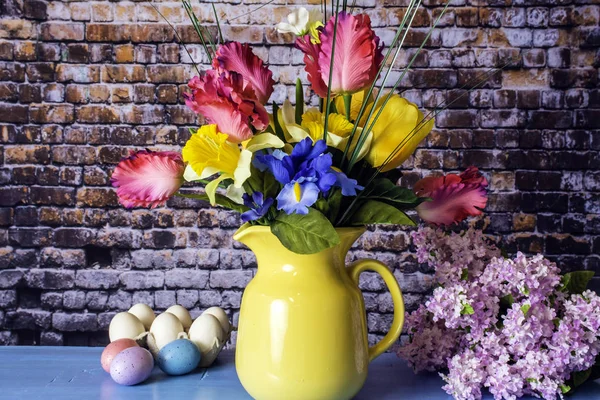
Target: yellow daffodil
(313, 126)
(395, 133)
(355, 104)
(208, 152)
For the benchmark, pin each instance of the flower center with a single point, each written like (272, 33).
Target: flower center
(297, 191)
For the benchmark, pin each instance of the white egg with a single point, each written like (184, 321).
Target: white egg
(144, 314)
(207, 334)
(165, 329)
(183, 315)
(125, 326)
(221, 315)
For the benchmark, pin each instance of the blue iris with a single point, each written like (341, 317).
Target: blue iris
(297, 196)
(258, 206)
(304, 174)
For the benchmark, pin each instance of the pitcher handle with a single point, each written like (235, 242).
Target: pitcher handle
(354, 271)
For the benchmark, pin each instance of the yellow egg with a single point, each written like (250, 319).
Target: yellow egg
(125, 326)
(144, 314)
(207, 334)
(219, 314)
(183, 315)
(165, 329)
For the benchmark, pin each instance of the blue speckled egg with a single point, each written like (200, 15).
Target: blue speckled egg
(132, 366)
(179, 357)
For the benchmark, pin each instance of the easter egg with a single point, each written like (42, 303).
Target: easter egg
(207, 334)
(144, 314)
(219, 314)
(165, 329)
(178, 357)
(131, 366)
(113, 349)
(183, 315)
(125, 325)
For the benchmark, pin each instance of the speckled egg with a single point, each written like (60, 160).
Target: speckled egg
(179, 357)
(132, 366)
(114, 348)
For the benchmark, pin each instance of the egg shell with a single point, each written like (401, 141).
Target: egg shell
(182, 314)
(207, 334)
(114, 348)
(132, 366)
(221, 315)
(165, 329)
(144, 313)
(125, 326)
(178, 357)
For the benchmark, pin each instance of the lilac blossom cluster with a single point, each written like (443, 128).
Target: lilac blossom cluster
(513, 326)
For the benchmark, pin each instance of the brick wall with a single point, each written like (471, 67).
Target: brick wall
(82, 83)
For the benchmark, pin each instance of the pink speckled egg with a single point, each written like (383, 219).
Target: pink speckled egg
(132, 366)
(113, 349)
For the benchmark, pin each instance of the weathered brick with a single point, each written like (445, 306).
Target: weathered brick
(74, 322)
(62, 31)
(50, 279)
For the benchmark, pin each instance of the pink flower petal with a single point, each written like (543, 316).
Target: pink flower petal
(454, 197)
(147, 178)
(237, 57)
(311, 60)
(225, 99)
(357, 56)
(453, 203)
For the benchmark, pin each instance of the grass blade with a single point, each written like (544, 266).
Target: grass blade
(365, 132)
(328, 99)
(178, 38)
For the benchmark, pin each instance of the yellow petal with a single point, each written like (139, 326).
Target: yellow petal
(355, 104)
(339, 125)
(235, 194)
(242, 171)
(209, 148)
(297, 133)
(211, 188)
(395, 136)
(264, 141)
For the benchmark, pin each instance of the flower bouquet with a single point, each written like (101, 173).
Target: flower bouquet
(302, 171)
(512, 325)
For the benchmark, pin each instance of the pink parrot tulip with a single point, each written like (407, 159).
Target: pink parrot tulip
(454, 197)
(232, 95)
(147, 178)
(357, 55)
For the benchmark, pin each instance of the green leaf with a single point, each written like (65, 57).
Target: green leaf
(464, 275)
(305, 234)
(263, 182)
(565, 389)
(219, 199)
(525, 308)
(299, 101)
(579, 377)
(334, 200)
(467, 310)
(576, 282)
(376, 212)
(276, 123)
(384, 190)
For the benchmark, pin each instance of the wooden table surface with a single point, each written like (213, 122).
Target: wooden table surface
(55, 373)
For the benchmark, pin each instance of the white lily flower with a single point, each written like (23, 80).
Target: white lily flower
(300, 21)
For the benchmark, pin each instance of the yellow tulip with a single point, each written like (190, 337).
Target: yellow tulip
(395, 133)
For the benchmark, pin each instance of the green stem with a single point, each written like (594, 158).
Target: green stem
(328, 101)
(348, 105)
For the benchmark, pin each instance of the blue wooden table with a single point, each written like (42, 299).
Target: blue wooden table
(32, 373)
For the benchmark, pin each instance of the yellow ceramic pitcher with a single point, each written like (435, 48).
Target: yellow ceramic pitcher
(302, 327)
